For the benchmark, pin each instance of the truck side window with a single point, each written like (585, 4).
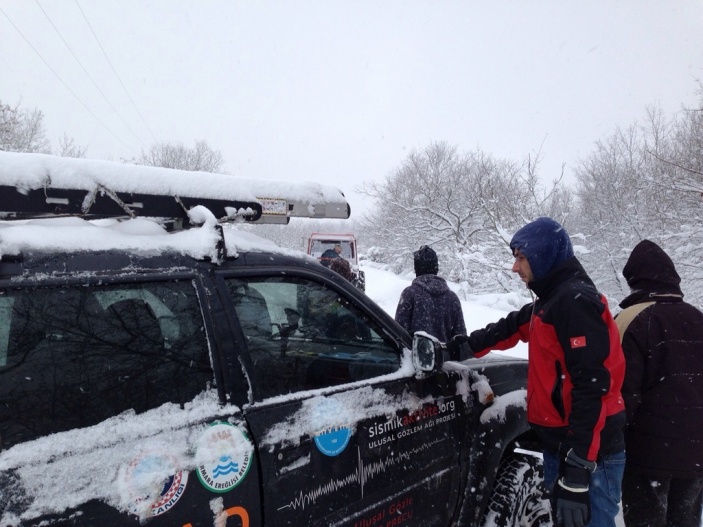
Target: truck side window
(72, 357)
(317, 338)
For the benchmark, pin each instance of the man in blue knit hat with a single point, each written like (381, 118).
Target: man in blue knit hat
(575, 375)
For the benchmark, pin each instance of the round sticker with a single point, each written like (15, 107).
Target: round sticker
(224, 455)
(332, 442)
(144, 474)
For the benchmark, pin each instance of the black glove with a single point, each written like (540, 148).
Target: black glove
(458, 348)
(571, 501)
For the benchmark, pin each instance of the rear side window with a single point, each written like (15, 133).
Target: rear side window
(302, 335)
(72, 357)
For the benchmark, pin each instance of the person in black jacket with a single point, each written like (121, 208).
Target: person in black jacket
(662, 337)
(576, 369)
(428, 304)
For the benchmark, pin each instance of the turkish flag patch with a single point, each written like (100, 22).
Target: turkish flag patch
(578, 342)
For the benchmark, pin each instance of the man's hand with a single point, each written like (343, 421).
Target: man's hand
(571, 502)
(458, 348)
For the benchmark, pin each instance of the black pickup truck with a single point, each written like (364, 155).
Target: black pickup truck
(205, 377)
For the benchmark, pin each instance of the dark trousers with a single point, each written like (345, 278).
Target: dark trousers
(661, 502)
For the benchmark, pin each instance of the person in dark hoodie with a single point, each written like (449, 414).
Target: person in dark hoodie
(662, 337)
(428, 304)
(576, 370)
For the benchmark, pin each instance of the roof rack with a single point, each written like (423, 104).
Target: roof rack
(40, 185)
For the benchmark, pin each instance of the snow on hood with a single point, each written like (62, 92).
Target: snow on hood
(500, 406)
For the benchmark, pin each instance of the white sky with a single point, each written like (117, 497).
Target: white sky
(340, 92)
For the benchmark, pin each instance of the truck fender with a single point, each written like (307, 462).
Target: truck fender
(497, 427)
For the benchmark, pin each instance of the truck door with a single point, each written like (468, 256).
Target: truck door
(106, 390)
(346, 433)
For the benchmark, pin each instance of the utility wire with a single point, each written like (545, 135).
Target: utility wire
(115, 71)
(86, 72)
(65, 85)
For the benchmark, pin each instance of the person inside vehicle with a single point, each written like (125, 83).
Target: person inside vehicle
(576, 371)
(428, 304)
(348, 327)
(662, 337)
(330, 254)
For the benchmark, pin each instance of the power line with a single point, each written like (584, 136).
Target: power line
(115, 71)
(86, 72)
(62, 82)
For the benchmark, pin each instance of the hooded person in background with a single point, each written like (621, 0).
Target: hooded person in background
(662, 337)
(428, 304)
(576, 369)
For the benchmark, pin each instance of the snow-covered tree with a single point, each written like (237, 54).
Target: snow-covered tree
(643, 182)
(465, 205)
(176, 155)
(69, 148)
(22, 130)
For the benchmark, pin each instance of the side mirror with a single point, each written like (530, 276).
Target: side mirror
(426, 353)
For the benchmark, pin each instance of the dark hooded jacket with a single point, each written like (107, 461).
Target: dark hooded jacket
(576, 364)
(662, 337)
(429, 305)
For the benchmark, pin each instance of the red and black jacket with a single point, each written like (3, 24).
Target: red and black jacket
(576, 364)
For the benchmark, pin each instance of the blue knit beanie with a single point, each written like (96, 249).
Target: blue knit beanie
(545, 244)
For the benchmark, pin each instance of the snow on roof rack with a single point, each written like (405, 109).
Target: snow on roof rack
(40, 185)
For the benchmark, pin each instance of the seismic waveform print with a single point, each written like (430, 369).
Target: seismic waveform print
(360, 476)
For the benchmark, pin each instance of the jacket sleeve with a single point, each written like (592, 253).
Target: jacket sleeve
(503, 334)
(635, 352)
(585, 337)
(404, 311)
(459, 323)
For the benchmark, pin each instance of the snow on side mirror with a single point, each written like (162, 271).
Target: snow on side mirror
(425, 348)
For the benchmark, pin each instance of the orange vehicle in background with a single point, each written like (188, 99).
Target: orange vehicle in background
(321, 245)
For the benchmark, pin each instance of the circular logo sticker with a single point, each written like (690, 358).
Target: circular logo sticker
(333, 441)
(149, 493)
(224, 455)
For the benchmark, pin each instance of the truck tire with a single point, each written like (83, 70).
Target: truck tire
(360, 281)
(517, 499)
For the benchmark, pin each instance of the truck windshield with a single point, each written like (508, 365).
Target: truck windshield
(320, 246)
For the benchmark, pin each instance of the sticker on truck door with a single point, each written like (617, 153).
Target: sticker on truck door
(144, 474)
(223, 454)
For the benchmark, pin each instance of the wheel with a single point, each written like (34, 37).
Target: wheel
(517, 499)
(360, 281)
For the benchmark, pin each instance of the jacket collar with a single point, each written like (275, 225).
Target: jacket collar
(568, 270)
(637, 297)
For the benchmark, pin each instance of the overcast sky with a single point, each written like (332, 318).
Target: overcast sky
(340, 92)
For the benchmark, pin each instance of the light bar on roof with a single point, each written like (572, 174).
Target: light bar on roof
(33, 185)
(279, 211)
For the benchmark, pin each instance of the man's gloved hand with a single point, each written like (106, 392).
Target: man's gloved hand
(458, 348)
(571, 502)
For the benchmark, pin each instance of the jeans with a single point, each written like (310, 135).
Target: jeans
(604, 491)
